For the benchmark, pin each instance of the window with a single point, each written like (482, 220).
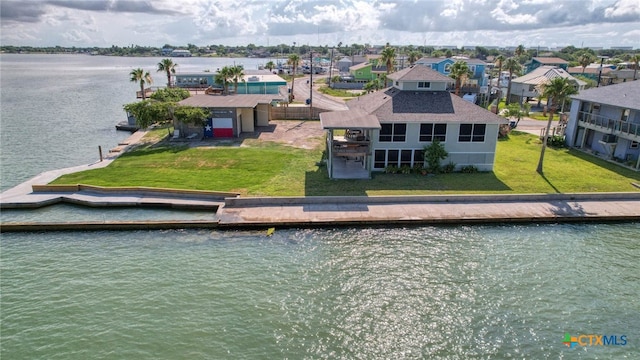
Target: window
(394, 157)
(472, 132)
(447, 68)
(633, 145)
(625, 115)
(424, 85)
(429, 132)
(405, 157)
(379, 159)
(397, 83)
(393, 132)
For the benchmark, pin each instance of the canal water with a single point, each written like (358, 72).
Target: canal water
(451, 292)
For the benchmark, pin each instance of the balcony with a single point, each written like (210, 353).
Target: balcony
(606, 125)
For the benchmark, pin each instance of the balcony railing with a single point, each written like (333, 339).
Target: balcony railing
(614, 126)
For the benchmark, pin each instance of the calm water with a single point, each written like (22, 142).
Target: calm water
(369, 293)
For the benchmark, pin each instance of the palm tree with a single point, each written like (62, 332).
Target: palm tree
(513, 66)
(556, 91)
(499, 61)
(169, 67)
(635, 58)
(236, 72)
(414, 56)
(270, 65)
(139, 75)
(388, 57)
(460, 73)
(585, 59)
(519, 51)
(223, 77)
(294, 61)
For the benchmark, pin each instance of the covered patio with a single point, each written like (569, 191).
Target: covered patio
(349, 135)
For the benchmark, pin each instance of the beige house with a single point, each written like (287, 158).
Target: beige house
(391, 127)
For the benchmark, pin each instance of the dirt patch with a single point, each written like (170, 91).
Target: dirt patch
(297, 133)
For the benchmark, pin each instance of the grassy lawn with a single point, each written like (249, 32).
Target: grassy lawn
(270, 169)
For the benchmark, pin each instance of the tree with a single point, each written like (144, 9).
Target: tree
(223, 77)
(513, 66)
(190, 115)
(388, 57)
(168, 66)
(294, 61)
(520, 50)
(414, 56)
(556, 91)
(140, 76)
(584, 60)
(148, 112)
(170, 95)
(460, 73)
(237, 73)
(270, 65)
(499, 61)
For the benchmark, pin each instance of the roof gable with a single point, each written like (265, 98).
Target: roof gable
(419, 73)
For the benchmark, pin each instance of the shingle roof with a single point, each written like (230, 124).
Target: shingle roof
(393, 105)
(344, 119)
(626, 95)
(229, 101)
(419, 73)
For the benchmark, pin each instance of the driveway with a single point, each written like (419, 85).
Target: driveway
(301, 92)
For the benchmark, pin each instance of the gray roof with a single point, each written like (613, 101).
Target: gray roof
(626, 95)
(346, 119)
(419, 73)
(229, 101)
(433, 60)
(544, 74)
(393, 105)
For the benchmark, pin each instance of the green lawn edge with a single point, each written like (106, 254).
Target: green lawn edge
(256, 168)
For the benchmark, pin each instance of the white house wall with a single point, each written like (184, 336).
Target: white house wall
(479, 154)
(413, 85)
(263, 114)
(247, 120)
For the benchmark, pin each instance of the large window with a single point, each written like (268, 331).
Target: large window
(472, 132)
(393, 132)
(431, 132)
(424, 85)
(399, 158)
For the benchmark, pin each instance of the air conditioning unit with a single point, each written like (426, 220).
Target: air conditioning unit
(609, 138)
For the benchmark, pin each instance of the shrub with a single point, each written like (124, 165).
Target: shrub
(449, 168)
(556, 141)
(391, 169)
(405, 169)
(469, 169)
(433, 154)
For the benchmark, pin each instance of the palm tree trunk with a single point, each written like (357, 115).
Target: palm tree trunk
(168, 78)
(142, 89)
(546, 136)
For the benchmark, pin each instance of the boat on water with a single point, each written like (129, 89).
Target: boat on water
(128, 125)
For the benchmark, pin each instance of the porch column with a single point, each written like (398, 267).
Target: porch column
(330, 153)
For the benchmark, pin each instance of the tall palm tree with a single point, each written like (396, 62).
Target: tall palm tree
(140, 76)
(556, 91)
(237, 73)
(513, 66)
(414, 56)
(499, 61)
(585, 59)
(519, 51)
(460, 73)
(168, 66)
(223, 77)
(388, 57)
(294, 61)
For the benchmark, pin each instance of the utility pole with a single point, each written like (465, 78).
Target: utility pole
(311, 85)
(600, 72)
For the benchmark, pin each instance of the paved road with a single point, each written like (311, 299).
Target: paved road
(301, 92)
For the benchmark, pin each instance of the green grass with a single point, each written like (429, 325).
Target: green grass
(337, 92)
(541, 116)
(270, 169)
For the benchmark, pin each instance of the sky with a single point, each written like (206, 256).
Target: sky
(532, 23)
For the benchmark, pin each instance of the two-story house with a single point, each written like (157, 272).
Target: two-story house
(392, 127)
(606, 121)
(366, 72)
(443, 66)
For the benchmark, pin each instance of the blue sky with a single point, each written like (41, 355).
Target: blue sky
(546, 23)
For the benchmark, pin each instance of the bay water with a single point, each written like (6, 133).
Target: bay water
(450, 292)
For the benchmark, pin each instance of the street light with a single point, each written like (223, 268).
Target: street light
(600, 72)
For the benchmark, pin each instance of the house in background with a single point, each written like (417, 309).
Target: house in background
(606, 121)
(528, 85)
(443, 66)
(591, 72)
(253, 82)
(366, 72)
(391, 127)
(536, 62)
